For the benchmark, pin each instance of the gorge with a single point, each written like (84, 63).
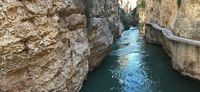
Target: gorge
(79, 45)
(135, 65)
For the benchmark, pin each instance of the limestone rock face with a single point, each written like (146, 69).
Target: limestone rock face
(103, 21)
(45, 45)
(187, 23)
(163, 12)
(100, 39)
(183, 19)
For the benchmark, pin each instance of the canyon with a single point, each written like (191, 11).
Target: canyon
(52, 45)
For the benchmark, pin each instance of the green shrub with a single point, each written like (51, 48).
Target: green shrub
(140, 26)
(179, 3)
(142, 4)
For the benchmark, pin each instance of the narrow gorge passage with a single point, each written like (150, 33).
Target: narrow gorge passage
(137, 66)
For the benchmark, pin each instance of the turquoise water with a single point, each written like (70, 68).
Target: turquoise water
(137, 66)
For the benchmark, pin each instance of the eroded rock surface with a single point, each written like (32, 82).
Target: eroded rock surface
(103, 21)
(45, 45)
(183, 19)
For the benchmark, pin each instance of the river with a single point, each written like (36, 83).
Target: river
(137, 66)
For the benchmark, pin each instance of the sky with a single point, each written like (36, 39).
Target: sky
(133, 3)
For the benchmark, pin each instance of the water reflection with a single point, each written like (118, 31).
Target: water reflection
(136, 66)
(133, 76)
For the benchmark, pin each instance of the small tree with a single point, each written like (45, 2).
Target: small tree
(179, 3)
(142, 4)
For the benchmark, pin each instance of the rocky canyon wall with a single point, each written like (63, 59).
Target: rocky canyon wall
(104, 25)
(182, 18)
(50, 45)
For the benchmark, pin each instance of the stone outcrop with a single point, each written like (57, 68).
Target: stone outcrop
(103, 21)
(179, 20)
(50, 45)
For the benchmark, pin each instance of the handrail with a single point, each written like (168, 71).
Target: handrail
(169, 35)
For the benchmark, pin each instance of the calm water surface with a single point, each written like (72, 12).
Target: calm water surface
(137, 66)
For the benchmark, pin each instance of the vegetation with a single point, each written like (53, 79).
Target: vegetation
(142, 4)
(140, 26)
(179, 3)
(126, 19)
